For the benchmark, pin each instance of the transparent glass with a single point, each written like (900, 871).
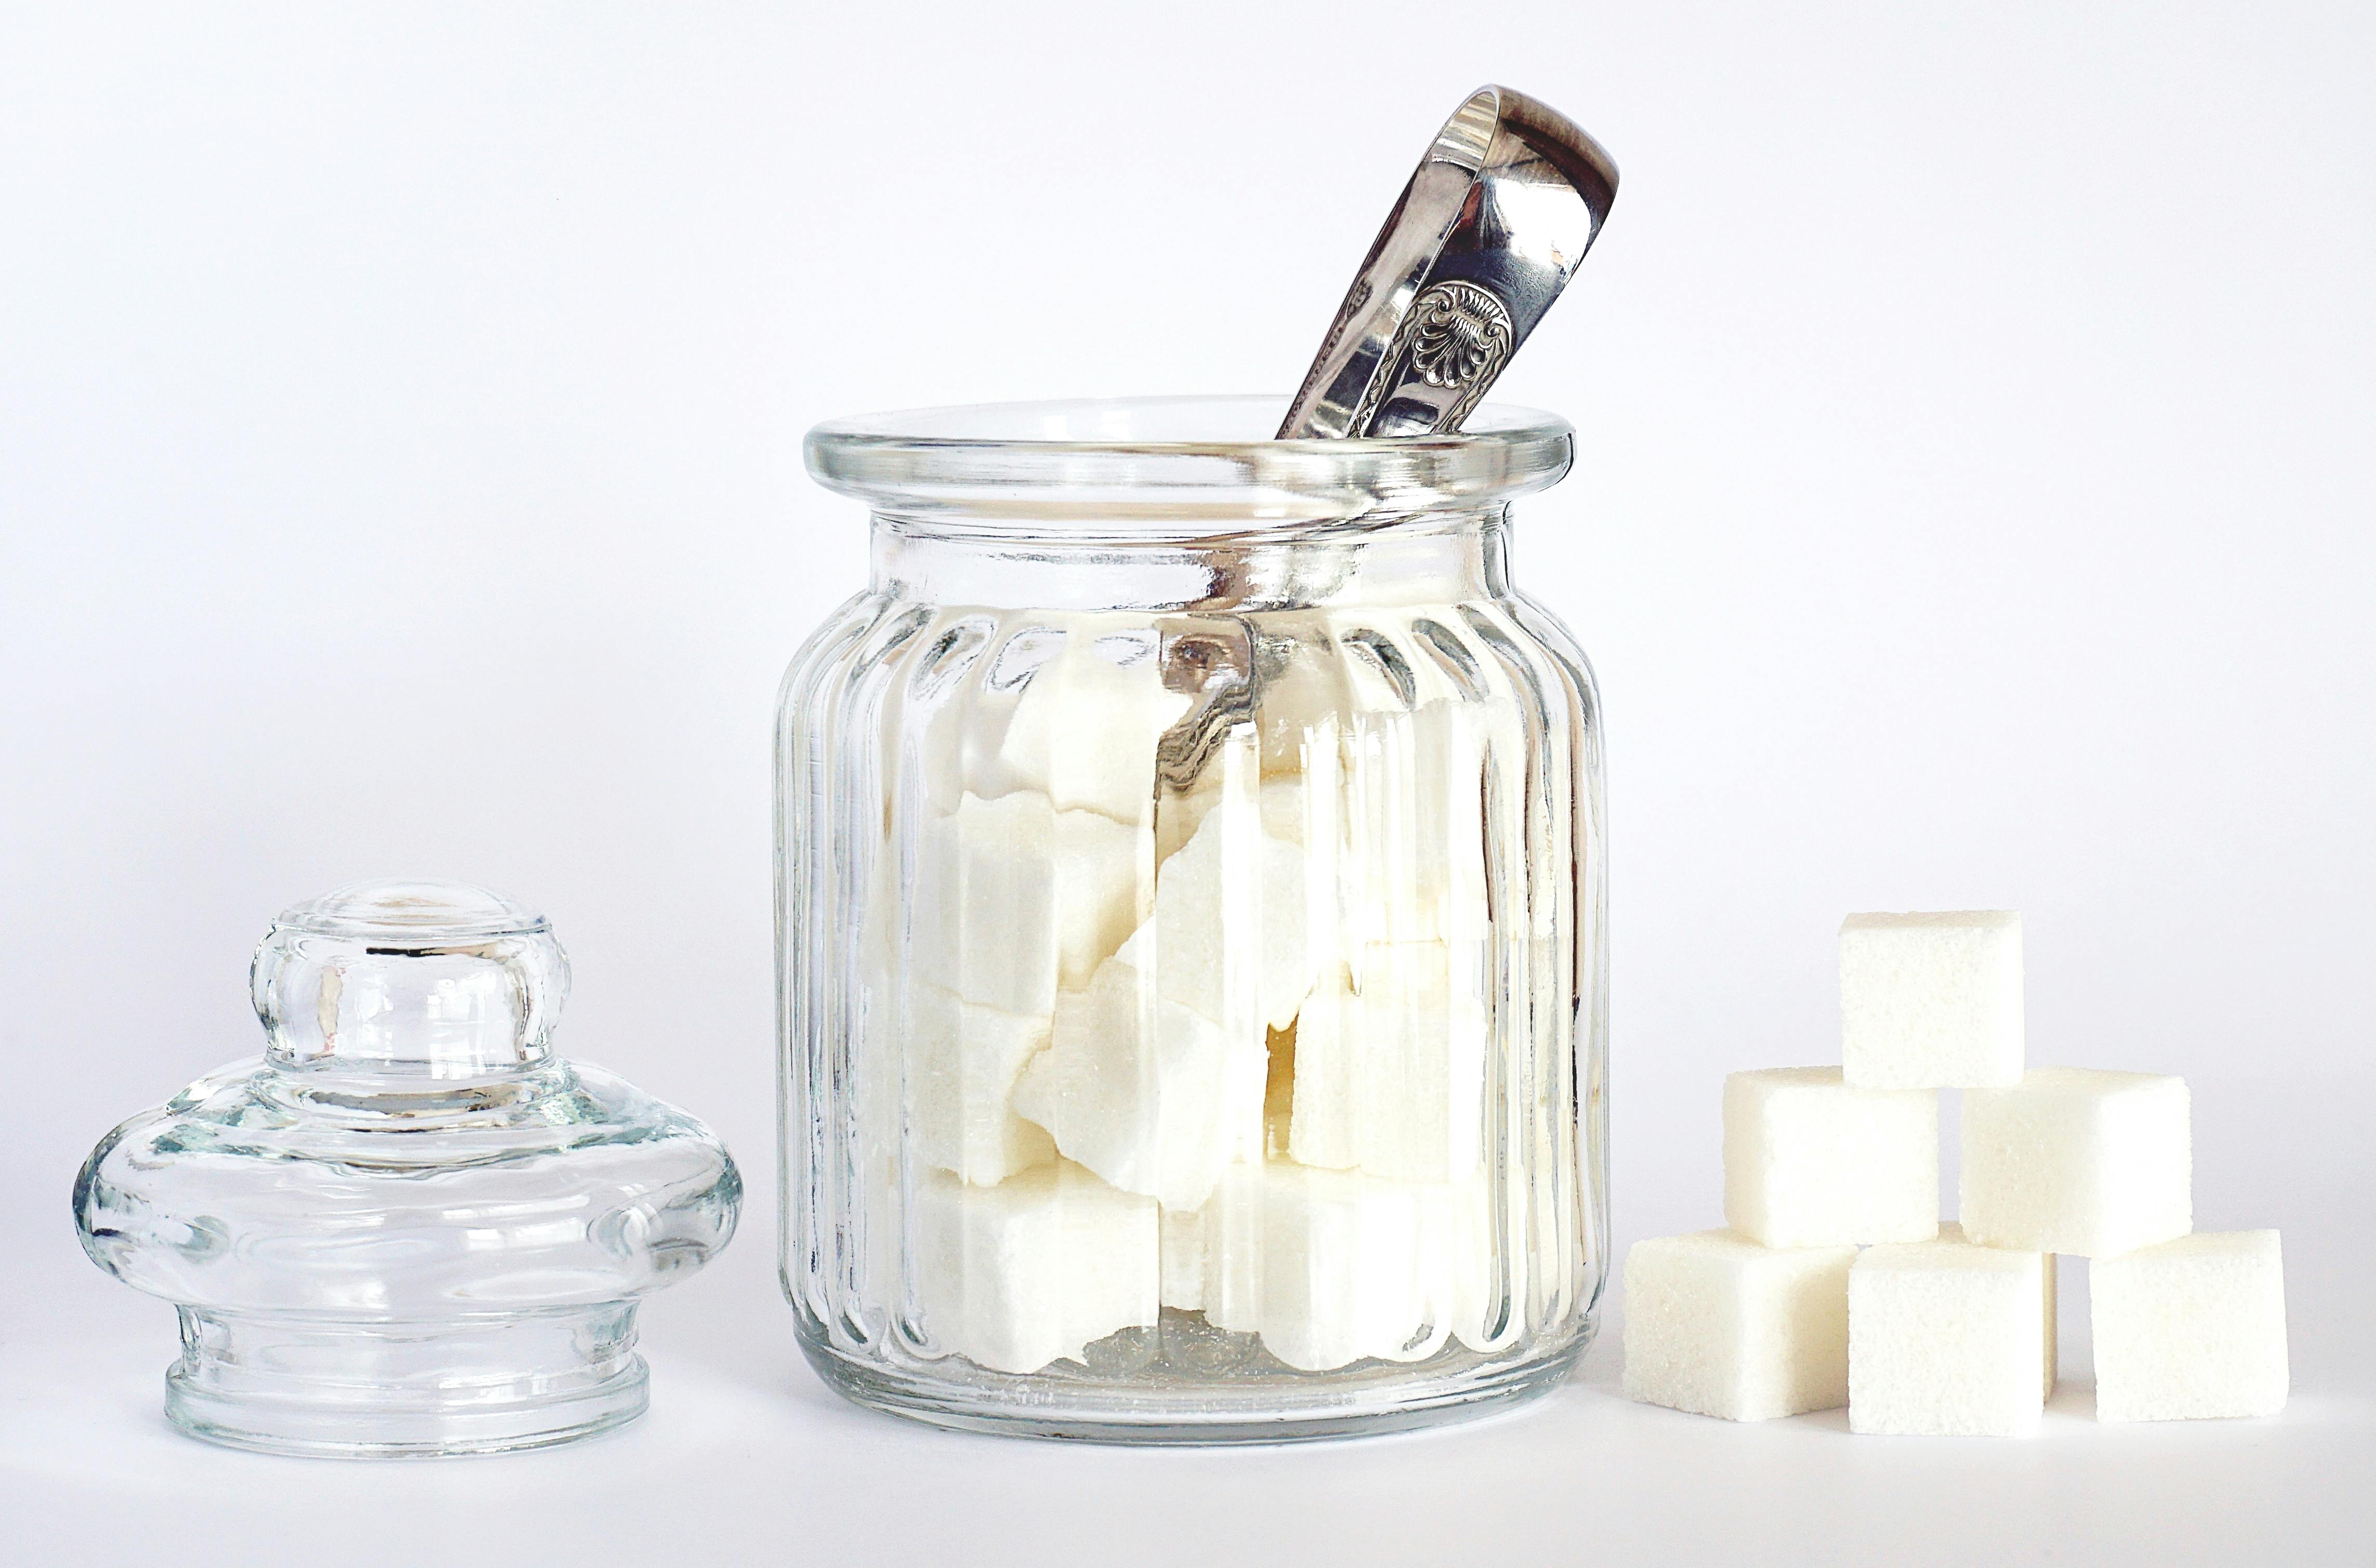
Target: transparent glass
(409, 1228)
(1190, 931)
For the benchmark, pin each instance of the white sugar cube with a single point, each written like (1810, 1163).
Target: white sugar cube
(1292, 810)
(1810, 1162)
(1304, 699)
(1152, 1096)
(962, 1064)
(1227, 937)
(1473, 1268)
(1294, 807)
(1015, 899)
(1324, 1264)
(1389, 805)
(1028, 1272)
(2074, 1160)
(2193, 1327)
(1718, 1325)
(1950, 1231)
(1393, 776)
(1413, 840)
(1390, 1065)
(1299, 807)
(1467, 1287)
(1087, 722)
(1932, 1001)
(1945, 1338)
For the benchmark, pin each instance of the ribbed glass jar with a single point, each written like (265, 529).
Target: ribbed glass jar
(1189, 933)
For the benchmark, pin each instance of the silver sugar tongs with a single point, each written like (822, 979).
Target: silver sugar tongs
(1484, 237)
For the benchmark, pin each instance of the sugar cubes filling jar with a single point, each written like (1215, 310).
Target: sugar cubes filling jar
(1190, 950)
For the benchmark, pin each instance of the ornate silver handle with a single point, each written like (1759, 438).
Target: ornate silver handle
(1489, 229)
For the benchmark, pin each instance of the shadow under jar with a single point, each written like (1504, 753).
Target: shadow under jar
(1189, 931)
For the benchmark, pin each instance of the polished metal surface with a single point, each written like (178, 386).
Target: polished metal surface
(1489, 229)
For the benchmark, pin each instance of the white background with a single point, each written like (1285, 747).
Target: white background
(399, 410)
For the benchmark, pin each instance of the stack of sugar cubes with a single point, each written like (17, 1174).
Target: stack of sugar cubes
(1835, 1282)
(1221, 1050)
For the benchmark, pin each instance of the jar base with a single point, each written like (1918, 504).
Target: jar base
(330, 1388)
(1200, 1414)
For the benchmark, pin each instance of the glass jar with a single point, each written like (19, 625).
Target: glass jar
(1189, 931)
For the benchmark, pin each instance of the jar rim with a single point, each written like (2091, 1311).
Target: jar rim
(1151, 466)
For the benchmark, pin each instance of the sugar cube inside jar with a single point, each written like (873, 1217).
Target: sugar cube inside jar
(1190, 930)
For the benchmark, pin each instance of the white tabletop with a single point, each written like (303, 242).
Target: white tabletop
(746, 1456)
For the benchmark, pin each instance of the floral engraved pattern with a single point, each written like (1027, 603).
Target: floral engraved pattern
(1460, 334)
(1454, 338)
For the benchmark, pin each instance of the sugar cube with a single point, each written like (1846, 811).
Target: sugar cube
(1227, 937)
(1305, 810)
(1014, 899)
(1324, 1264)
(962, 1062)
(2079, 1161)
(1390, 1065)
(1932, 1001)
(1152, 1096)
(2193, 1327)
(1087, 722)
(1718, 1325)
(1413, 843)
(1303, 697)
(1945, 1338)
(1809, 1161)
(1473, 1269)
(1950, 1231)
(1298, 807)
(1030, 1271)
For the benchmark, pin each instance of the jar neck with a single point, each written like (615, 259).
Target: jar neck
(1419, 558)
(458, 1053)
